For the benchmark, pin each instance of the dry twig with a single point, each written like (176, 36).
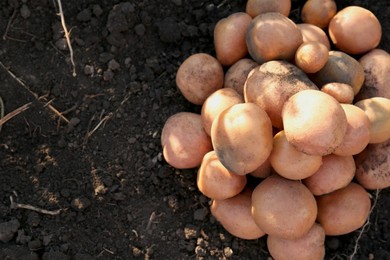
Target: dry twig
(15, 205)
(10, 115)
(5, 35)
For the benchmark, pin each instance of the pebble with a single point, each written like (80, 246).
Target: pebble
(228, 252)
(190, 232)
(88, 70)
(25, 11)
(97, 10)
(199, 251)
(33, 219)
(74, 121)
(8, 230)
(140, 29)
(84, 15)
(113, 65)
(81, 203)
(61, 44)
(108, 75)
(35, 245)
(200, 214)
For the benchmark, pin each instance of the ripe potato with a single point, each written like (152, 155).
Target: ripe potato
(199, 76)
(311, 56)
(237, 74)
(377, 110)
(358, 131)
(271, 84)
(215, 181)
(309, 247)
(283, 208)
(349, 24)
(343, 211)
(314, 122)
(263, 171)
(318, 12)
(342, 92)
(184, 140)
(313, 33)
(235, 216)
(272, 36)
(336, 172)
(291, 163)
(229, 38)
(256, 7)
(242, 137)
(217, 102)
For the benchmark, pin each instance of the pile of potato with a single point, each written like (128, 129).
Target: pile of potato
(302, 108)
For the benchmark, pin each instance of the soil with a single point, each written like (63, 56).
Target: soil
(89, 145)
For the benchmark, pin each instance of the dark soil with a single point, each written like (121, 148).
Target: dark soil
(104, 168)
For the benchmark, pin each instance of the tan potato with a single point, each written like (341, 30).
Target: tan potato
(318, 12)
(358, 131)
(229, 38)
(372, 166)
(256, 7)
(313, 33)
(342, 92)
(291, 163)
(314, 122)
(215, 181)
(272, 36)
(271, 84)
(263, 171)
(309, 247)
(199, 76)
(355, 30)
(343, 211)
(184, 140)
(283, 208)
(377, 110)
(336, 172)
(237, 74)
(216, 103)
(235, 216)
(311, 56)
(242, 137)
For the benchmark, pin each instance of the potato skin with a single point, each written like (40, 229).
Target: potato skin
(184, 140)
(340, 91)
(311, 56)
(237, 74)
(318, 12)
(256, 7)
(313, 33)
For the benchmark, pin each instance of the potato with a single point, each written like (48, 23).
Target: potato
(242, 137)
(343, 211)
(376, 65)
(272, 36)
(263, 171)
(358, 131)
(235, 216)
(377, 110)
(291, 163)
(217, 102)
(318, 12)
(372, 166)
(313, 33)
(229, 38)
(309, 247)
(336, 172)
(283, 208)
(342, 92)
(340, 68)
(256, 7)
(184, 140)
(271, 84)
(237, 74)
(215, 181)
(199, 76)
(355, 30)
(314, 122)
(311, 56)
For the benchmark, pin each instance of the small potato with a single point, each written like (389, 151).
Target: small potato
(242, 137)
(256, 7)
(312, 33)
(311, 56)
(343, 211)
(342, 92)
(355, 30)
(273, 36)
(199, 76)
(358, 131)
(318, 12)
(215, 181)
(235, 216)
(377, 110)
(283, 208)
(184, 140)
(237, 74)
(290, 163)
(216, 103)
(336, 172)
(229, 38)
(309, 247)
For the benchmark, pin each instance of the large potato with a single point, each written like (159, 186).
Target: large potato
(318, 12)
(242, 137)
(256, 7)
(237, 74)
(312, 33)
